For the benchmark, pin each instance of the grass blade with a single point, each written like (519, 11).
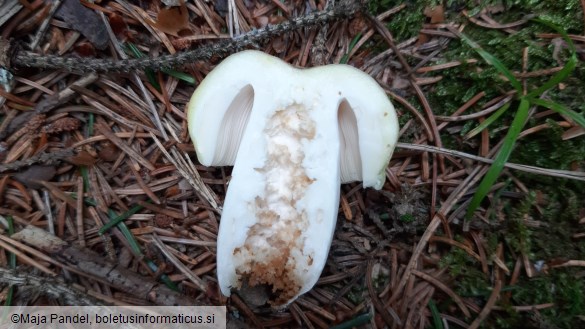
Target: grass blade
(85, 174)
(90, 123)
(352, 44)
(136, 247)
(578, 118)
(355, 322)
(437, 322)
(180, 75)
(559, 29)
(134, 51)
(126, 232)
(487, 121)
(164, 278)
(150, 73)
(492, 60)
(490, 178)
(557, 78)
(118, 219)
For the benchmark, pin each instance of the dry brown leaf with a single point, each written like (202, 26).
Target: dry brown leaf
(117, 24)
(173, 20)
(57, 39)
(436, 14)
(108, 151)
(422, 39)
(261, 21)
(357, 25)
(172, 191)
(276, 19)
(85, 49)
(279, 45)
(82, 158)
(33, 174)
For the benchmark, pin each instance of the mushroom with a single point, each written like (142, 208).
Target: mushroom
(293, 136)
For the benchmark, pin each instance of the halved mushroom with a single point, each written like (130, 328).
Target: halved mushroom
(293, 136)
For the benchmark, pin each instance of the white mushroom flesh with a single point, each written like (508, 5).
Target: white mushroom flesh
(293, 136)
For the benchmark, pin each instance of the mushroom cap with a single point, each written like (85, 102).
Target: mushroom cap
(221, 107)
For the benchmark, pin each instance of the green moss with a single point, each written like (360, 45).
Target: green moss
(518, 237)
(407, 22)
(406, 218)
(456, 260)
(551, 240)
(461, 83)
(559, 201)
(355, 294)
(560, 287)
(548, 150)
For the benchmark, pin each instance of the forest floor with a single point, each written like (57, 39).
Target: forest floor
(481, 221)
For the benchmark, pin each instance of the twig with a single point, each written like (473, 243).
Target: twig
(46, 158)
(25, 258)
(93, 265)
(48, 211)
(53, 287)
(221, 48)
(463, 108)
(64, 95)
(573, 262)
(576, 175)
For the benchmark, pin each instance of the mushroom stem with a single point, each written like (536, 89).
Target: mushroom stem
(293, 136)
(285, 245)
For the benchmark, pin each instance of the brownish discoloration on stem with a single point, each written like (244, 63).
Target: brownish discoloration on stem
(273, 246)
